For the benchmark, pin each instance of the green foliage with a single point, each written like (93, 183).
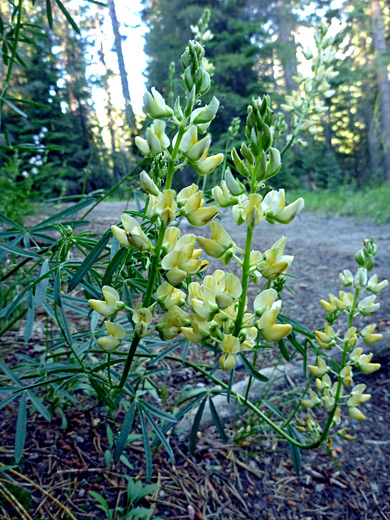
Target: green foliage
(16, 195)
(370, 204)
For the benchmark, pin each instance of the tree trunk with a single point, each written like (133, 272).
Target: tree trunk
(382, 79)
(110, 119)
(122, 70)
(287, 46)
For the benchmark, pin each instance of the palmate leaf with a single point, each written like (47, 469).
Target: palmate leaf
(160, 435)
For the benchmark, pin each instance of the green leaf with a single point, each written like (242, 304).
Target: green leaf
(89, 261)
(120, 443)
(68, 16)
(283, 350)
(21, 428)
(295, 452)
(252, 371)
(30, 318)
(102, 393)
(49, 14)
(27, 101)
(19, 251)
(39, 406)
(14, 107)
(217, 421)
(42, 286)
(296, 344)
(298, 327)
(113, 266)
(158, 413)
(8, 400)
(165, 353)
(230, 384)
(273, 408)
(146, 443)
(195, 426)
(102, 502)
(11, 375)
(94, 320)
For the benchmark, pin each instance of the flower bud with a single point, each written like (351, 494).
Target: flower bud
(148, 185)
(361, 277)
(115, 335)
(234, 185)
(207, 113)
(155, 106)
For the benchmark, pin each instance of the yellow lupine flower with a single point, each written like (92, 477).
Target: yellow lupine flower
(156, 140)
(166, 206)
(347, 375)
(313, 401)
(218, 244)
(115, 335)
(363, 361)
(264, 301)
(182, 262)
(111, 304)
(131, 235)
(253, 212)
(355, 413)
(142, 317)
(368, 334)
(320, 369)
(196, 212)
(275, 262)
(222, 196)
(325, 339)
(367, 306)
(170, 238)
(374, 286)
(170, 323)
(207, 165)
(199, 330)
(270, 330)
(167, 295)
(185, 194)
(275, 209)
(227, 362)
(351, 337)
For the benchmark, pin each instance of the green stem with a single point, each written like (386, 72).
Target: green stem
(340, 382)
(156, 258)
(304, 110)
(244, 280)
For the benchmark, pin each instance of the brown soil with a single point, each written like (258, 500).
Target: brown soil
(253, 477)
